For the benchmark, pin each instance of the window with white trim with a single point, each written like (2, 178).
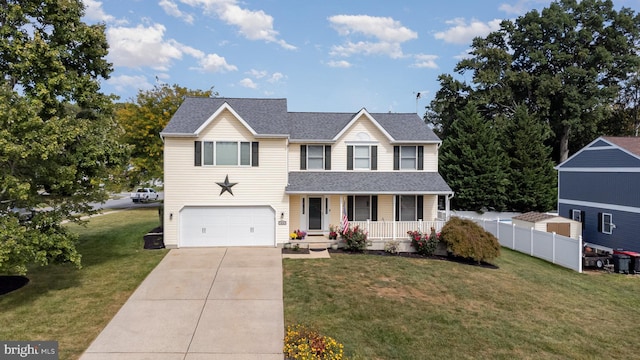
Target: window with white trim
(315, 157)
(576, 215)
(229, 153)
(607, 223)
(361, 157)
(408, 157)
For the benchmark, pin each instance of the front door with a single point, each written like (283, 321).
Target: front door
(315, 213)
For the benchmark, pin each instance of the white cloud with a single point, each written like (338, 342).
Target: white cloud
(464, 55)
(258, 74)
(171, 8)
(125, 82)
(142, 46)
(248, 83)
(393, 50)
(93, 11)
(383, 28)
(388, 35)
(425, 61)
(339, 64)
(215, 63)
(275, 77)
(252, 24)
(462, 32)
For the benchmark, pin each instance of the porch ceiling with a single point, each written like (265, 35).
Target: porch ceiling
(366, 182)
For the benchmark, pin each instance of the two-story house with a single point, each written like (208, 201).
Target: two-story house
(600, 187)
(247, 172)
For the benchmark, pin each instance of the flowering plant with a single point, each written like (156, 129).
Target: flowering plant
(355, 238)
(301, 342)
(298, 234)
(424, 245)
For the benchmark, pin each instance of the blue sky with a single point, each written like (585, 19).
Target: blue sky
(322, 55)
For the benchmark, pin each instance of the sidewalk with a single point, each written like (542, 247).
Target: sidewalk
(205, 303)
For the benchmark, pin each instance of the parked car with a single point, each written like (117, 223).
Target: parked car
(144, 195)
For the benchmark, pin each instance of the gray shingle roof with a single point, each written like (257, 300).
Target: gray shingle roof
(270, 117)
(265, 116)
(369, 182)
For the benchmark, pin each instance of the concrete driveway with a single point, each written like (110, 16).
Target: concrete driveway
(204, 303)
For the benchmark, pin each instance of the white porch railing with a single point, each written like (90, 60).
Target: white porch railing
(395, 230)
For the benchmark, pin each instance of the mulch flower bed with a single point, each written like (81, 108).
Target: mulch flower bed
(457, 259)
(11, 283)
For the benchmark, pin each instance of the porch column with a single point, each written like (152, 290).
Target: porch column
(393, 227)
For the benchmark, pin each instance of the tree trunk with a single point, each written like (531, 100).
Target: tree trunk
(564, 144)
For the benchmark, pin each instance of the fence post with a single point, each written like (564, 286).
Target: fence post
(554, 248)
(497, 229)
(531, 242)
(580, 254)
(513, 236)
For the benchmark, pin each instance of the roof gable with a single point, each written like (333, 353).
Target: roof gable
(260, 116)
(363, 113)
(606, 152)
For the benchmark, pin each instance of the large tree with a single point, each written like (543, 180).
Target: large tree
(143, 119)
(58, 139)
(473, 163)
(532, 178)
(566, 64)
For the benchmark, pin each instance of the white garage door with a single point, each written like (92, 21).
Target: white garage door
(227, 226)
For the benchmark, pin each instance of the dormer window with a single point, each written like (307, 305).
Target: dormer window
(362, 157)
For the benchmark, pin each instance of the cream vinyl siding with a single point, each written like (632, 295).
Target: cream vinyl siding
(431, 158)
(189, 185)
(385, 149)
(362, 125)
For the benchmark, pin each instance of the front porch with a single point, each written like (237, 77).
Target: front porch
(378, 234)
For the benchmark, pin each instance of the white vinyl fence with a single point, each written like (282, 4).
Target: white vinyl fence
(558, 249)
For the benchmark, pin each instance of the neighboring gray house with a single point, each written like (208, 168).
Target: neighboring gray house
(600, 187)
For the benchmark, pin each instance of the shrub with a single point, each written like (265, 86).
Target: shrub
(424, 245)
(355, 239)
(467, 239)
(392, 246)
(301, 342)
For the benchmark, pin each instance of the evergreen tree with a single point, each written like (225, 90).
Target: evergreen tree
(473, 163)
(532, 176)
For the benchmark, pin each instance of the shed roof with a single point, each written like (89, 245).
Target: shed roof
(534, 217)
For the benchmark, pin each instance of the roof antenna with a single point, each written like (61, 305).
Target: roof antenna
(419, 95)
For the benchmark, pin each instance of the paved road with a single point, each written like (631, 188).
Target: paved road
(122, 201)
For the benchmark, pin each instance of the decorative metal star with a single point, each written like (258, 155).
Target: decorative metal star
(226, 186)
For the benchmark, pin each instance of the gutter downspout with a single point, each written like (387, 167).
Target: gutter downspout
(447, 211)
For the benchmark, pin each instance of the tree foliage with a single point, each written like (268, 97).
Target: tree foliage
(58, 139)
(473, 162)
(566, 64)
(532, 178)
(143, 120)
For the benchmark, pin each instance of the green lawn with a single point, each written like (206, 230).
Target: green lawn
(72, 306)
(384, 307)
